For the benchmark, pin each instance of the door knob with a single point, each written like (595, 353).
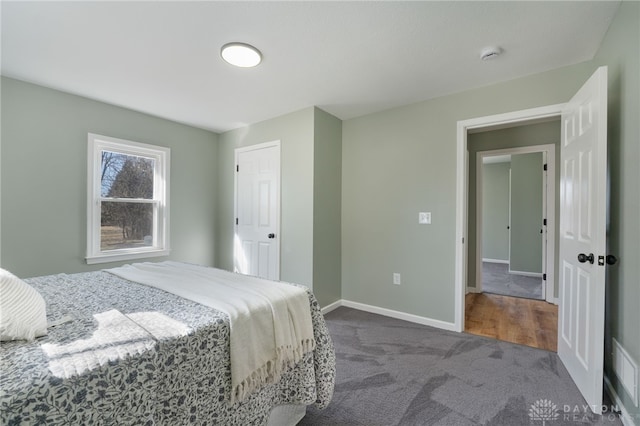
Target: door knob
(582, 258)
(611, 259)
(272, 235)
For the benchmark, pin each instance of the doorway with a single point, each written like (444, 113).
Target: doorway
(256, 244)
(515, 216)
(530, 116)
(512, 216)
(582, 235)
(514, 319)
(510, 211)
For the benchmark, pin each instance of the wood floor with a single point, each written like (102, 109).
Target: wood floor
(513, 319)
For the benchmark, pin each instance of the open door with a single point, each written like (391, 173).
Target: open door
(583, 197)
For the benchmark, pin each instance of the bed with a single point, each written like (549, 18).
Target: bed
(121, 352)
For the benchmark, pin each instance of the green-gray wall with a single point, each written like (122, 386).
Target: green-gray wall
(44, 178)
(526, 213)
(310, 197)
(620, 51)
(295, 133)
(495, 211)
(327, 207)
(402, 161)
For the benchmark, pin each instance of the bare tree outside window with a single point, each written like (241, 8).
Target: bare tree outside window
(126, 208)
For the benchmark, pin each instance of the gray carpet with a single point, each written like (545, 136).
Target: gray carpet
(391, 372)
(496, 279)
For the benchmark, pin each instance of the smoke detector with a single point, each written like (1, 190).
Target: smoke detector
(490, 53)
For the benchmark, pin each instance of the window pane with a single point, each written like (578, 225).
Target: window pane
(126, 225)
(126, 176)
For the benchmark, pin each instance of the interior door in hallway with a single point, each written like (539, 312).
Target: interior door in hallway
(583, 201)
(257, 207)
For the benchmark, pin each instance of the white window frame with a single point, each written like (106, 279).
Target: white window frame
(161, 155)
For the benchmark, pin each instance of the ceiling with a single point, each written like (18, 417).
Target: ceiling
(348, 58)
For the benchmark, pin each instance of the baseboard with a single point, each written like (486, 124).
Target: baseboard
(473, 290)
(400, 315)
(625, 416)
(330, 307)
(504, 262)
(526, 274)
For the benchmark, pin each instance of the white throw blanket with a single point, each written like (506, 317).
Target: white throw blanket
(271, 325)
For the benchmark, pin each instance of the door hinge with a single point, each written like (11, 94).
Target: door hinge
(544, 222)
(544, 277)
(237, 167)
(544, 167)
(236, 220)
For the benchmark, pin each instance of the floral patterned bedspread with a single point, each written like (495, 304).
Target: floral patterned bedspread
(132, 354)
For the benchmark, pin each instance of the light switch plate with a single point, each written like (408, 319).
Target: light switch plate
(424, 218)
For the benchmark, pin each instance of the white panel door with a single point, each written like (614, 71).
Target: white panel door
(583, 197)
(256, 240)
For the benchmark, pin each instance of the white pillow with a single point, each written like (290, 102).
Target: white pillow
(23, 314)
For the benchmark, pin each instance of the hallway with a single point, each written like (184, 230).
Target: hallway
(496, 279)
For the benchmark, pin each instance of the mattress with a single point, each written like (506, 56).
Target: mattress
(126, 353)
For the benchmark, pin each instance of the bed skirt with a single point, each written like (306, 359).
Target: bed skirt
(286, 415)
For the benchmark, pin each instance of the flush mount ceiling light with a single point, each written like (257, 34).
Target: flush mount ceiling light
(241, 54)
(490, 52)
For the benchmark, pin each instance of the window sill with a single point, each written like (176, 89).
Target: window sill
(117, 257)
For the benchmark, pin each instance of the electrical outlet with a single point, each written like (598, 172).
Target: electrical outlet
(424, 218)
(396, 278)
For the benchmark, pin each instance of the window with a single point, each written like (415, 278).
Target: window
(128, 200)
